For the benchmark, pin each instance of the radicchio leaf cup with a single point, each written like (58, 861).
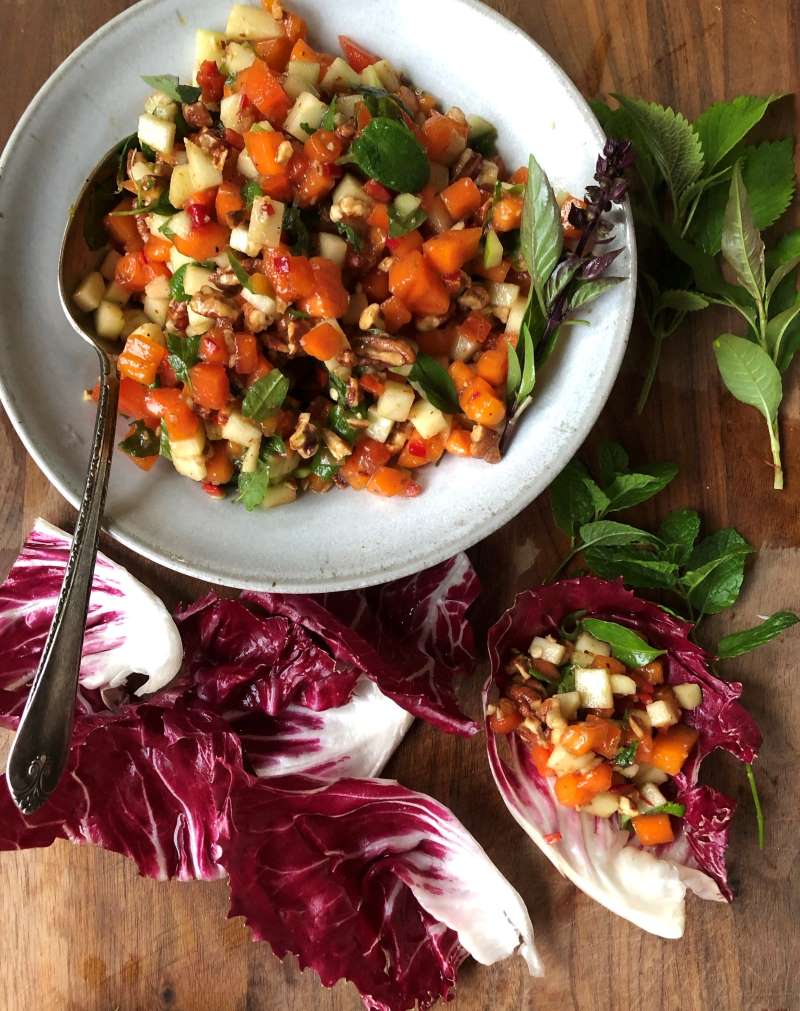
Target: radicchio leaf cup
(645, 886)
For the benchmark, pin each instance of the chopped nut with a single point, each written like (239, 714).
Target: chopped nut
(208, 302)
(528, 697)
(531, 731)
(468, 165)
(550, 711)
(284, 153)
(224, 278)
(474, 298)
(485, 444)
(178, 315)
(304, 440)
(338, 448)
(488, 176)
(255, 320)
(371, 318)
(386, 264)
(428, 323)
(628, 807)
(392, 351)
(457, 115)
(213, 146)
(197, 115)
(353, 207)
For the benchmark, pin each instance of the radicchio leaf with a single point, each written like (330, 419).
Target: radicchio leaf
(128, 629)
(646, 887)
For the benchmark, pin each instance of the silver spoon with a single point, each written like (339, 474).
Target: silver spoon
(40, 749)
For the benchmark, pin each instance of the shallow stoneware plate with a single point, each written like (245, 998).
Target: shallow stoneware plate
(460, 51)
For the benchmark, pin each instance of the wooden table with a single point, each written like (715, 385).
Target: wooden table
(83, 932)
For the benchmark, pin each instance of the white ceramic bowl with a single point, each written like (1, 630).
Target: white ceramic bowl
(459, 50)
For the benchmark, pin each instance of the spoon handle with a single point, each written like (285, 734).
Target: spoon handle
(41, 746)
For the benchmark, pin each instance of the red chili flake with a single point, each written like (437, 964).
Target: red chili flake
(392, 244)
(553, 837)
(245, 103)
(416, 447)
(270, 210)
(199, 215)
(281, 264)
(212, 490)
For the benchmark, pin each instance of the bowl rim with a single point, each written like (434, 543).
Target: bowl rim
(513, 507)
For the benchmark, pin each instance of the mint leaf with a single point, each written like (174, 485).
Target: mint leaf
(241, 274)
(680, 531)
(576, 499)
(329, 119)
(760, 824)
(676, 810)
(250, 191)
(628, 490)
(183, 354)
(142, 441)
(253, 487)
(612, 459)
(626, 756)
(170, 85)
(608, 532)
(435, 384)
(585, 292)
(274, 446)
(266, 395)
(541, 235)
(671, 141)
(715, 573)
(352, 236)
(164, 448)
(640, 566)
(324, 466)
(402, 224)
(723, 125)
(389, 152)
(628, 647)
(514, 372)
(176, 290)
(682, 301)
(739, 643)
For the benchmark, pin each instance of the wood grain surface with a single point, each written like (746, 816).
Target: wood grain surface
(82, 932)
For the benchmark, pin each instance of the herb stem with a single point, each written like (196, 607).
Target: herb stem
(751, 779)
(652, 369)
(775, 445)
(565, 563)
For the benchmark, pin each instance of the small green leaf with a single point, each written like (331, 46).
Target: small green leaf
(760, 824)
(715, 572)
(628, 647)
(141, 443)
(514, 372)
(324, 466)
(725, 124)
(329, 119)
(171, 86)
(628, 490)
(742, 245)
(541, 237)
(612, 459)
(351, 235)
(253, 487)
(681, 301)
(241, 274)
(250, 191)
(626, 756)
(780, 274)
(160, 206)
(640, 566)
(608, 532)
(402, 224)
(777, 329)
(739, 643)
(164, 448)
(528, 378)
(265, 395)
(576, 499)
(435, 384)
(680, 530)
(585, 292)
(176, 290)
(183, 354)
(567, 682)
(390, 153)
(676, 810)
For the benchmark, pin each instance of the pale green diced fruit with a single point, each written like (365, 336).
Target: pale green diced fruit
(306, 111)
(663, 713)
(177, 259)
(198, 324)
(233, 115)
(238, 57)
(108, 267)
(379, 428)
(161, 106)
(245, 22)
(187, 449)
(593, 684)
(278, 495)
(203, 172)
(266, 222)
(300, 77)
(479, 127)
(249, 460)
(427, 419)
(346, 106)
(90, 292)
(180, 224)
(333, 247)
(650, 774)
(621, 684)
(369, 77)
(246, 166)
(108, 320)
(264, 303)
(395, 402)
(562, 762)
(388, 78)
(604, 805)
(116, 293)
(150, 331)
(569, 703)
(350, 187)
(281, 467)
(208, 46)
(652, 794)
(193, 467)
(134, 318)
(240, 241)
(180, 186)
(141, 170)
(517, 313)
(493, 253)
(340, 76)
(240, 429)
(588, 644)
(547, 648)
(194, 278)
(159, 134)
(156, 309)
(503, 295)
(155, 222)
(689, 695)
(406, 203)
(158, 287)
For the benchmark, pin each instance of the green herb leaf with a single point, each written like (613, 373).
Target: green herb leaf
(585, 292)
(351, 235)
(628, 647)
(170, 85)
(680, 531)
(612, 459)
(324, 465)
(609, 533)
(541, 236)
(778, 327)
(241, 274)
(742, 245)
(567, 682)
(161, 206)
(626, 756)
(715, 572)
(739, 643)
(141, 443)
(253, 487)
(266, 395)
(528, 378)
(671, 141)
(725, 124)
(274, 446)
(753, 378)
(681, 301)
(130, 143)
(164, 448)
(298, 226)
(576, 499)
(676, 810)
(640, 566)
(390, 153)
(250, 191)
(183, 354)
(628, 490)
(760, 824)
(514, 372)
(329, 119)
(176, 289)
(339, 421)
(435, 384)
(402, 224)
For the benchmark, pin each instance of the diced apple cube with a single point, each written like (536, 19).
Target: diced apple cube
(134, 318)
(150, 331)
(238, 57)
(180, 186)
(203, 172)
(547, 648)
(570, 703)
(245, 22)
(108, 267)
(516, 315)
(161, 106)
(187, 449)
(246, 166)
(379, 428)
(387, 75)
(108, 320)
(233, 115)
(155, 222)
(264, 303)
(307, 111)
(156, 309)
(241, 430)
(158, 134)
(180, 224)
(580, 658)
(266, 222)
(278, 495)
(604, 805)
(90, 292)
(621, 684)
(333, 247)
(208, 46)
(248, 463)
(193, 467)
(663, 713)
(396, 401)
(650, 774)
(158, 287)
(563, 762)
(689, 695)
(593, 684)
(588, 644)
(240, 241)
(116, 293)
(652, 794)
(198, 324)
(194, 278)
(350, 187)
(178, 259)
(427, 419)
(340, 76)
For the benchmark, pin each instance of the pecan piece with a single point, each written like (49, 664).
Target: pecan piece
(177, 314)
(528, 697)
(393, 351)
(486, 444)
(196, 115)
(211, 304)
(304, 440)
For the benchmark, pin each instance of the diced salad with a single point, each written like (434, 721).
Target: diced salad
(313, 272)
(612, 736)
